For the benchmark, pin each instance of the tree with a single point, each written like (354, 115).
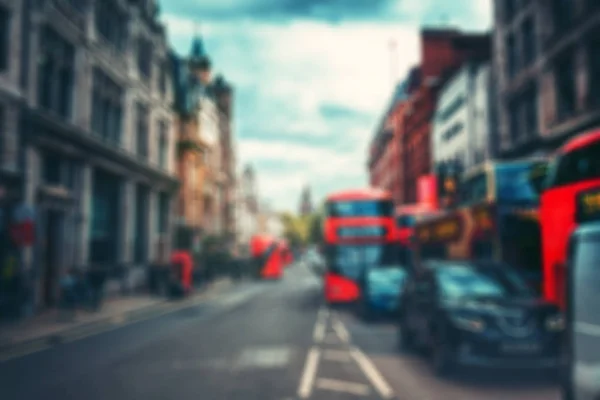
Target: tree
(315, 234)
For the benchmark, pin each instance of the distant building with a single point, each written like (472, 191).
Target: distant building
(205, 156)
(462, 126)
(246, 209)
(548, 71)
(306, 206)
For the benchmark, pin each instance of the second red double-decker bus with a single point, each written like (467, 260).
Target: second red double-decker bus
(267, 256)
(570, 195)
(359, 228)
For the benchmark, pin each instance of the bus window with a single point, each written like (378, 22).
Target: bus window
(577, 166)
(359, 208)
(405, 221)
(513, 184)
(586, 318)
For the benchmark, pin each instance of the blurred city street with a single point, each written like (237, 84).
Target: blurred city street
(265, 340)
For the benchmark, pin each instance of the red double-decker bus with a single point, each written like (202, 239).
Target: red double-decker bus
(267, 256)
(570, 195)
(359, 230)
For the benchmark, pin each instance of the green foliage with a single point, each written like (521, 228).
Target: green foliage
(302, 230)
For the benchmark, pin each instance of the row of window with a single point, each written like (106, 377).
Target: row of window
(56, 76)
(112, 25)
(521, 47)
(453, 131)
(456, 104)
(523, 114)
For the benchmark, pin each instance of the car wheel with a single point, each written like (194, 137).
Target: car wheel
(442, 357)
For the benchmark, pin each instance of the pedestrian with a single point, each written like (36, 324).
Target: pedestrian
(97, 279)
(68, 294)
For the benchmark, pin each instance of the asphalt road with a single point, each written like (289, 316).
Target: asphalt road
(267, 341)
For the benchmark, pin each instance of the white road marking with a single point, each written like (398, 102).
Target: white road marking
(319, 331)
(337, 355)
(264, 357)
(341, 331)
(310, 372)
(331, 339)
(372, 374)
(343, 386)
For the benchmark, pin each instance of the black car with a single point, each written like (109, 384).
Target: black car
(478, 314)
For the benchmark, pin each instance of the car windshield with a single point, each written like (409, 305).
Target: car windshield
(395, 274)
(513, 185)
(457, 281)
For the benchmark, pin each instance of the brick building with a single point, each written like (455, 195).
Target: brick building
(548, 72)
(442, 52)
(384, 158)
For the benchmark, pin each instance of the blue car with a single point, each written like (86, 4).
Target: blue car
(381, 290)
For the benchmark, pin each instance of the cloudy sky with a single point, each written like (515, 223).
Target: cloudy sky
(312, 78)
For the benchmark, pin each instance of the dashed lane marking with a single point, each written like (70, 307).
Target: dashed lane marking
(337, 355)
(320, 325)
(309, 374)
(341, 331)
(372, 373)
(343, 386)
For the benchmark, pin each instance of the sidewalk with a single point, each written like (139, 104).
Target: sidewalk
(48, 326)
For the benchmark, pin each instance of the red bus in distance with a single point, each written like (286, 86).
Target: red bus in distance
(267, 256)
(358, 229)
(570, 195)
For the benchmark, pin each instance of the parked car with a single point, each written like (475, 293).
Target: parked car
(582, 378)
(478, 314)
(381, 290)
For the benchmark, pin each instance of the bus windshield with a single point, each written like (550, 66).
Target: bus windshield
(359, 208)
(513, 185)
(576, 166)
(350, 260)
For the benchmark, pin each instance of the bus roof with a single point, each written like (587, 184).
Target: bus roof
(582, 140)
(359, 194)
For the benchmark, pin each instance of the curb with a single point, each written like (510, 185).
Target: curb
(14, 349)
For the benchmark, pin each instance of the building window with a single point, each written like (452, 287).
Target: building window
(52, 169)
(56, 73)
(142, 133)
(530, 108)
(514, 123)
(594, 71)
(163, 78)
(107, 107)
(565, 86)
(144, 57)
(163, 143)
(111, 23)
(529, 42)
(509, 10)
(511, 49)
(562, 14)
(163, 213)
(4, 38)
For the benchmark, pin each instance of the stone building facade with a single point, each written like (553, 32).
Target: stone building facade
(206, 164)
(548, 72)
(98, 139)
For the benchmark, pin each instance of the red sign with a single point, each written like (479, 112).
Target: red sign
(427, 191)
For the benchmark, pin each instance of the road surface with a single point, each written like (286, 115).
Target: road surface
(256, 341)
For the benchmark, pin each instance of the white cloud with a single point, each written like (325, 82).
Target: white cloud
(284, 73)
